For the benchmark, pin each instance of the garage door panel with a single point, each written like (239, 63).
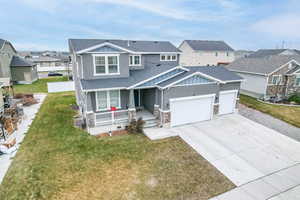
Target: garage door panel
(190, 110)
(227, 101)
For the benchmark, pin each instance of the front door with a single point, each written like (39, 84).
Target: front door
(137, 98)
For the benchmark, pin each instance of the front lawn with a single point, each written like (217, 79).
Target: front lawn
(58, 161)
(288, 114)
(39, 86)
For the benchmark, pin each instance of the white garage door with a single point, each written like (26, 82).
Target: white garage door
(227, 101)
(191, 109)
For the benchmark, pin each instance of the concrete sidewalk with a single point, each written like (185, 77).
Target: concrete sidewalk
(29, 115)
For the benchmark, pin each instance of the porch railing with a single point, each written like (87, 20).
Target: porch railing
(111, 117)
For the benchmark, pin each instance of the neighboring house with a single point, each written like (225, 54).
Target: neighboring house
(273, 52)
(144, 79)
(12, 66)
(23, 71)
(46, 64)
(205, 52)
(242, 54)
(268, 76)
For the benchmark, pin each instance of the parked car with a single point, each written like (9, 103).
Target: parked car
(54, 74)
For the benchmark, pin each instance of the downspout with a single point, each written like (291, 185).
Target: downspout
(162, 105)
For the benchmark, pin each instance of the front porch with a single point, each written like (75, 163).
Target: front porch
(117, 120)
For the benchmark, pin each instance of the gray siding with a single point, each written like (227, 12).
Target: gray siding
(18, 74)
(88, 67)
(149, 98)
(185, 91)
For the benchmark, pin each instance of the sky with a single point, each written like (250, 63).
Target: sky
(243, 24)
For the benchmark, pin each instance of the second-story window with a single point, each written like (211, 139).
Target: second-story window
(168, 57)
(106, 64)
(135, 60)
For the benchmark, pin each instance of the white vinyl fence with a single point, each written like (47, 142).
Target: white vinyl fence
(61, 86)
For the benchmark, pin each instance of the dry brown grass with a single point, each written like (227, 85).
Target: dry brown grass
(58, 161)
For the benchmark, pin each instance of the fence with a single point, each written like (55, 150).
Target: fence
(61, 86)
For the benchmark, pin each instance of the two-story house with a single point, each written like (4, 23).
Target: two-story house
(119, 80)
(14, 68)
(205, 52)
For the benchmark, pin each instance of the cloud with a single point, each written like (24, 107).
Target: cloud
(284, 26)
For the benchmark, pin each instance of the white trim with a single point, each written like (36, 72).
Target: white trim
(106, 65)
(169, 54)
(101, 45)
(107, 100)
(296, 72)
(232, 81)
(104, 89)
(192, 97)
(228, 91)
(282, 66)
(135, 65)
(153, 77)
(193, 84)
(81, 66)
(164, 111)
(191, 75)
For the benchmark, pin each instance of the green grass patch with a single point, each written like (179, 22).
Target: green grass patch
(288, 114)
(58, 161)
(39, 86)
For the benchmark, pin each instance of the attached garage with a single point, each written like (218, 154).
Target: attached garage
(227, 101)
(192, 109)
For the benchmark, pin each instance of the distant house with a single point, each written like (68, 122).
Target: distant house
(269, 73)
(273, 52)
(14, 69)
(205, 52)
(47, 64)
(242, 54)
(23, 71)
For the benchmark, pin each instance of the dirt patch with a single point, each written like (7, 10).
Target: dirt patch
(113, 133)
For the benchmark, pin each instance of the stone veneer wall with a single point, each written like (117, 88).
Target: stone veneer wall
(131, 114)
(216, 109)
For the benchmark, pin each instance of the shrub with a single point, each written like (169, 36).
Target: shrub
(136, 126)
(294, 98)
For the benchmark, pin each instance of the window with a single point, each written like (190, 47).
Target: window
(227, 54)
(107, 99)
(276, 79)
(216, 53)
(135, 60)
(106, 64)
(168, 57)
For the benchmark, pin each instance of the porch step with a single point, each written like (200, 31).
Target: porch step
(117, 122)
(151, 123)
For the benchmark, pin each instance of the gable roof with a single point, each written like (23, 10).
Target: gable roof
(20, 62)
(269, 52)
(261, 65)
(2, 42)
(208, 45)
(131, 45)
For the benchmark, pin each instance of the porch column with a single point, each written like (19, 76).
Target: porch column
(131, 106)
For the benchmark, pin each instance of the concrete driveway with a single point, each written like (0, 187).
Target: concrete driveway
(260, 161)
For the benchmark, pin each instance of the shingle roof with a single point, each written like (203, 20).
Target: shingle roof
(136, 46)
(270, 52)
(137, 76)
(208, 45)
(264, 65)
(20, 62)
(218, 72)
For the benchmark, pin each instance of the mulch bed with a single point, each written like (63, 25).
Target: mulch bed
(114, 133)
